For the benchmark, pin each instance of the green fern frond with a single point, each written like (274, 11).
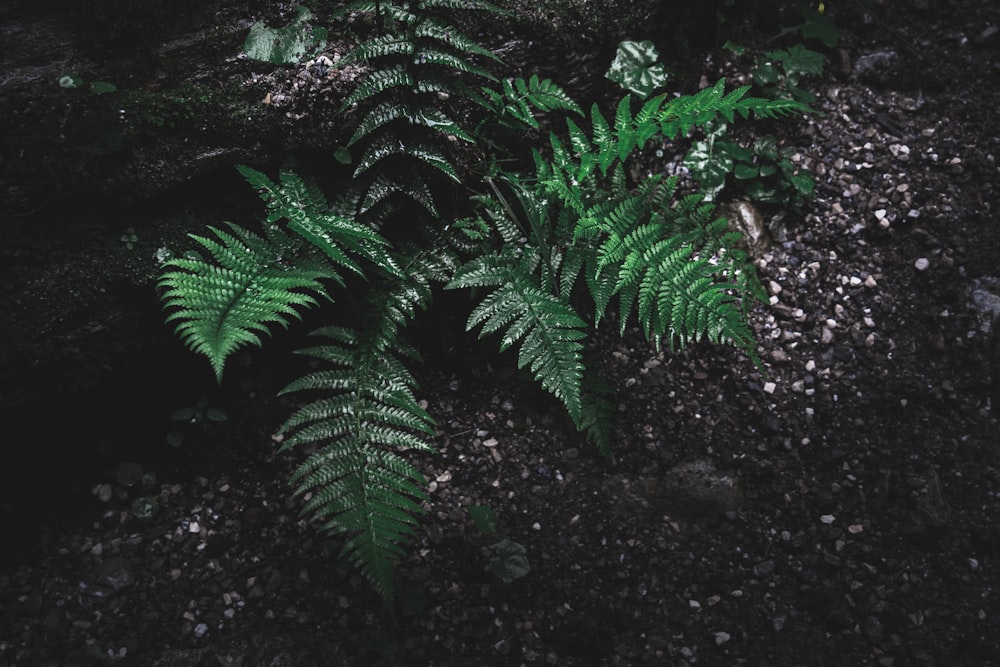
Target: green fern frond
(385, 187)
(378, 83)
(310, 216)
(446, 34)
(597, 419)
(394, 11)
(550, 333)
(378, 47)
(421, 152)
(357, 482)
(675, 293)
(228, 303)
(519, 98)
(425, 117)
(682, 114)
(475, 5)
(442, 58)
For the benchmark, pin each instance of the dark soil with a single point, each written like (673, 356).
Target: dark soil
(843, 509)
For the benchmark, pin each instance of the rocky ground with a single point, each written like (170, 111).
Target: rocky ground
(842, 509)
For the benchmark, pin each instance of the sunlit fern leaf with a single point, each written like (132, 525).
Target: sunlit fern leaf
(439, 57)
(394, 11)
(682, 114)
(625, 134)
(379, 82)
(447, 34)
(549, 332)
(394, 148)
(382, 190)
(310, 216)
(357, 483)
(438, 121)
(227, 303)
(546, 95)
(603, 139)
(378, 47)
(381, 116)
(519, 99)
(645, 120)
(476, 5)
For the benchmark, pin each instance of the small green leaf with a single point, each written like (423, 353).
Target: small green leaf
(636, 68)
(216, 415)
(818, 26)
(184, 414)
(803, 182)
(70, 81)
(744, 171)
(485, 519)
(765, 74)
(800, 60)
(342, 155)
(102, 87)
(510, 561)
(288, 45)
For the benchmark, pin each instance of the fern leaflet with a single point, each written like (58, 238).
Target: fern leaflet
(225, 305)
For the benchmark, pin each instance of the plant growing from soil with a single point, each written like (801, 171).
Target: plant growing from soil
(548, 252)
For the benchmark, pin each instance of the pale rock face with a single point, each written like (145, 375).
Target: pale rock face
(747, 220)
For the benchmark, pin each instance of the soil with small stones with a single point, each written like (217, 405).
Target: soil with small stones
(841, 509)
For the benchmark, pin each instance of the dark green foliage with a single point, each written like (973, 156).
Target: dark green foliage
(542, 254)
(405, 134)
(548, 330)
(358, 482)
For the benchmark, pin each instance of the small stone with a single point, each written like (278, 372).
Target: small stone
(922, 264)
(827, 518)
(721, 638)
(764, 569)
(103, 492)
(769, 387)
(826, 336)
(855, 528)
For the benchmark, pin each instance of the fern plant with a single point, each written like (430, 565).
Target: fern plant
(364, 418)
(418, 61)
(550, 252)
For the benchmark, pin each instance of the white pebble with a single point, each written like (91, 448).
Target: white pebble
(922, 264)
(769, 387)
(827, 518)
(721, 638)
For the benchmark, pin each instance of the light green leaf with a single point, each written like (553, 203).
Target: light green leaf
(636, 68)
(288, 45)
